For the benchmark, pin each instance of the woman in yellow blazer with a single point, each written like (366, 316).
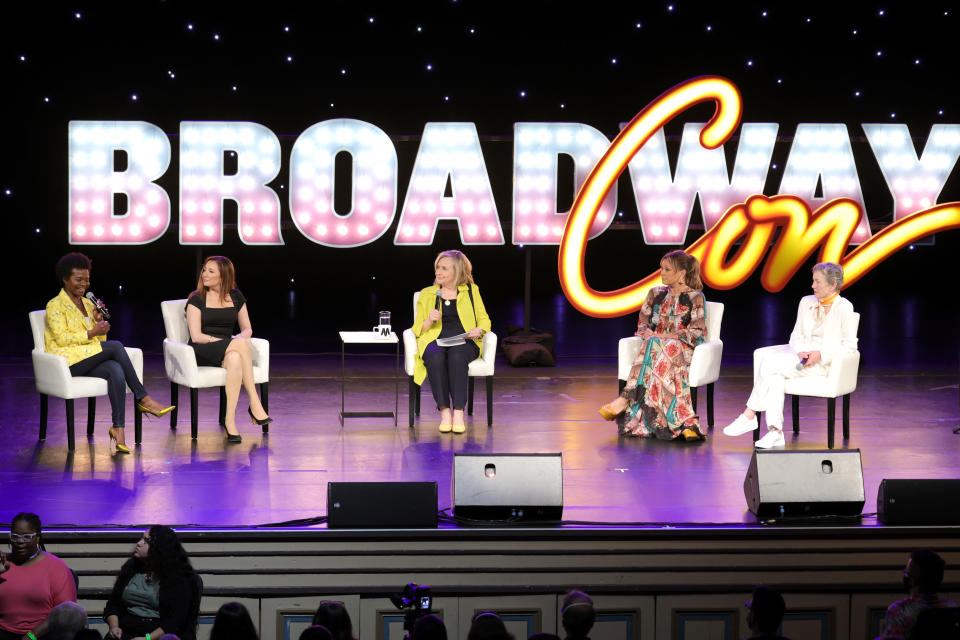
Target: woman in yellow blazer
(76, 330)
(451, 306)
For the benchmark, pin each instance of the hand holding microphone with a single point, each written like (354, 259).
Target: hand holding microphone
(803, 361)
(98, 303)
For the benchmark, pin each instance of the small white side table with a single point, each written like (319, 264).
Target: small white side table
(369, 337)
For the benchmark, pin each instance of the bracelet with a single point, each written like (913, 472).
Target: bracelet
(147, 636)
(31, 636)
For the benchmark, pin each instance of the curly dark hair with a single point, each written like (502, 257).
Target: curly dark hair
(69, 262)
(166, 559)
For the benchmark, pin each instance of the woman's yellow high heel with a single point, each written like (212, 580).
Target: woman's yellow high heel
(607, 412)
(158, 413)
(121, 448)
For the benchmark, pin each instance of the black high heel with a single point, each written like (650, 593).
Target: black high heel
(266, 420)
(234, 439)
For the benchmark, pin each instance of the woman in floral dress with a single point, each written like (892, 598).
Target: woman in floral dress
(656, 399)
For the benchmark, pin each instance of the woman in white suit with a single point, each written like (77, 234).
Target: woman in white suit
(824, 330)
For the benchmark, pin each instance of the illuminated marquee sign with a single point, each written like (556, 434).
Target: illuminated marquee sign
(449, 181)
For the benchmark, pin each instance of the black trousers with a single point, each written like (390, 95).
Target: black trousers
(447, 371)
(113, 365)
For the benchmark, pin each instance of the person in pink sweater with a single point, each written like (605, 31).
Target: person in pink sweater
(32, 582)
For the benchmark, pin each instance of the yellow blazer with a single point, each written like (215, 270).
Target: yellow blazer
(428, 301)
(65, 333)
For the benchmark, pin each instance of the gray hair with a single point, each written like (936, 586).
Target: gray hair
(831, 271)
(65, 620)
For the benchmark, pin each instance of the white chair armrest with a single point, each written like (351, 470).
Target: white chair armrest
(136, 359)
(180, 363)
(627, 355)
(842, 376)
(409, 351)
(489, 352)
(51, 373)
(705, 363)
(260, 352)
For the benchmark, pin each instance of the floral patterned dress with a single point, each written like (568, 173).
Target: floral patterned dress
(658, 389)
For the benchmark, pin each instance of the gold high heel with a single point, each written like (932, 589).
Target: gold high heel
(607, 412)
(691, 435)
(162, 412)
(121, 448)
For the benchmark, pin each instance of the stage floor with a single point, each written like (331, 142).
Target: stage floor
(901, 421)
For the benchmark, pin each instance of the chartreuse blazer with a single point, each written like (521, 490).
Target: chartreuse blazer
(471, 316)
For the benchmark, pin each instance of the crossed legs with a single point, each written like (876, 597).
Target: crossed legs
(238, 361)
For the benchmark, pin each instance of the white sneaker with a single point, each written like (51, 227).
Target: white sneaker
(774, 438)
(740, 426)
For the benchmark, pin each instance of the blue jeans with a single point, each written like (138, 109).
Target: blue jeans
(113, 365)
(447, 371)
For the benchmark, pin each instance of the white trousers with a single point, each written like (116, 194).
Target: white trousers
(768, 394)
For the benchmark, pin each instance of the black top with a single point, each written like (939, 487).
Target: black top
(219, 323)
(450, 324)
(177, 604)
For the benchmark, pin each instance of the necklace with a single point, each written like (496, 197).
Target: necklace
(446, 302)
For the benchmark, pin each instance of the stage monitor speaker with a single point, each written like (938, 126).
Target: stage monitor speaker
(804, 483)
(935, 501)
(381, 505)
(508, 486)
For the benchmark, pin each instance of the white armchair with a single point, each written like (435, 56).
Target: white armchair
(53, 379)
(704, 367)
(482, 367)
(180, 363)
(841, 381)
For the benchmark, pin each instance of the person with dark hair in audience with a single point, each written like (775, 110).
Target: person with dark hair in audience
(922, 577)
(157, 591)
(487, 625)
(76, 330)
(429, 627)
(233, 623)
(333, 615)
(765, 613)
(316, 632)
(577, 615)
(65, 621)
(32, 582)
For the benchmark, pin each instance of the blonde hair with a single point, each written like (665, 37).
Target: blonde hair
(462, 268)
(682, 261)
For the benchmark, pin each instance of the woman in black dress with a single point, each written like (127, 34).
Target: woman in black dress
(213, 310)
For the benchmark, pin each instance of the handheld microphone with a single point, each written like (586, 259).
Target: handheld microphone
(802, 362)
(98, 303)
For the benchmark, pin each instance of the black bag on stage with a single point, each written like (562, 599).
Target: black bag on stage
(532, 348)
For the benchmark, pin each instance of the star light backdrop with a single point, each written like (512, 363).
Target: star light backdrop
(231, 130)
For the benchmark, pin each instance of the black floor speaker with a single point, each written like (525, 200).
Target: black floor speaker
(381, 505)
(935, 501)
(508, 486)
(804, 483)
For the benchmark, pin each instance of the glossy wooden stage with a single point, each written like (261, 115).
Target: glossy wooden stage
(670, 551)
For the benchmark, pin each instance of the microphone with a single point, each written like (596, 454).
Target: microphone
(802, 362)
(98, 303)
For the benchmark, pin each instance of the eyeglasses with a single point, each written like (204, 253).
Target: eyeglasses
(23, 537)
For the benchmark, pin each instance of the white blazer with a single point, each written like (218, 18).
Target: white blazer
(839, 335)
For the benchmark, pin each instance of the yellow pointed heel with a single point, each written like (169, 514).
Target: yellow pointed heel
(115, 441)
(162, 412)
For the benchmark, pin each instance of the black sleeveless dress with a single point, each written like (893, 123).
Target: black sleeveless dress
(219, 323)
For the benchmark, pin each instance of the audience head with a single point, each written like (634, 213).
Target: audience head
(316, 632)
(831, 272)
(333, 615)
(25, 536)
(233, 623)
(65, 620)
(924, 571)
(766, 609)
(462, 269)
(70, 262)
(161, 551)
(577, 614)
(487, 625)
(682, 261)
(429, 627)
(217, 270)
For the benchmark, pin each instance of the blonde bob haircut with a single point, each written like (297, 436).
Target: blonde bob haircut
(462, 268)
(682, 261)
